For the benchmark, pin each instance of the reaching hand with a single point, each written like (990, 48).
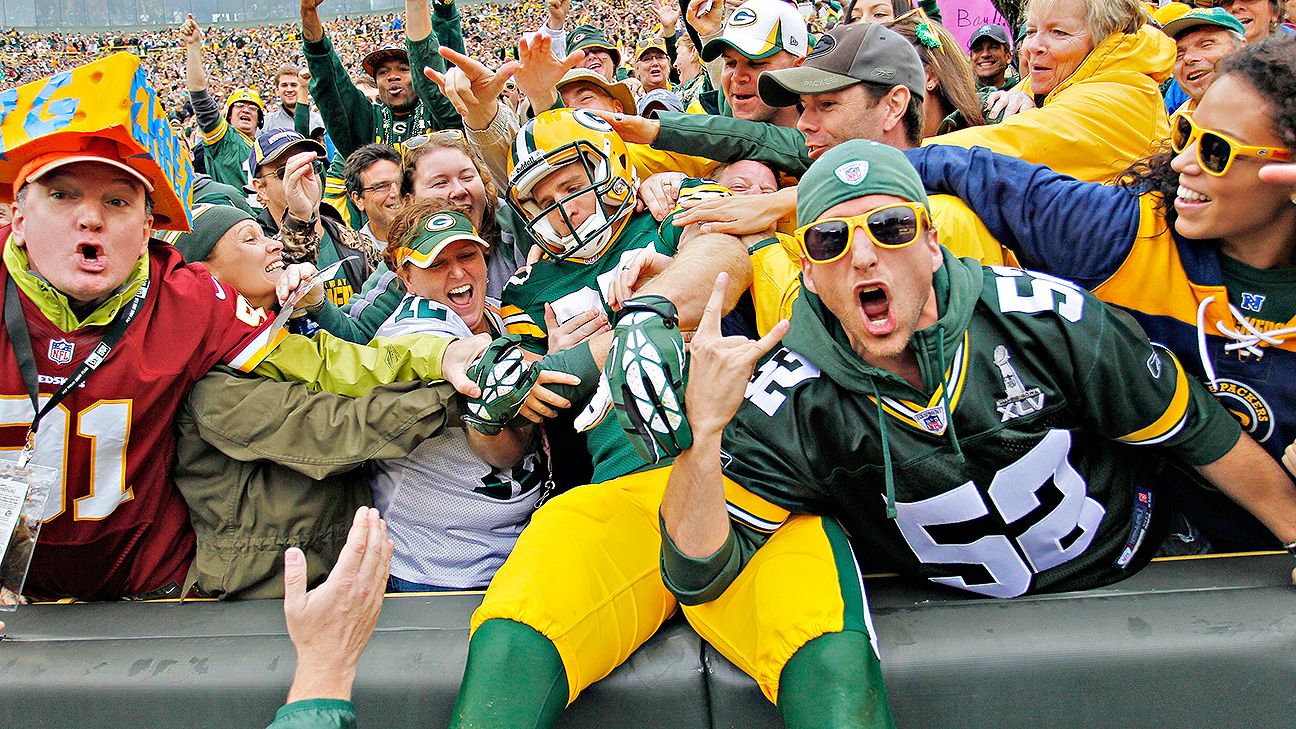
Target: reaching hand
(632, 129)
(331, 625)
(189, 32)
(1279, 174)
(1007, 103)
(668, 13)
(301, 185)
(734, 215)
(575, 330)
(706, 16)
(539, 72)
(292, 279)
(633, 275)
(541, 402)
(659, 192)
(455, 362)
(471, 87)
(720, 366)
(558, 10)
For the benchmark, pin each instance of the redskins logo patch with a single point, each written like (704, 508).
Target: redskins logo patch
(1248, 406)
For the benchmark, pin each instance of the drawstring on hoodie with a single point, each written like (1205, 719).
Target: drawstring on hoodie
(888, 473)
(1249, 340)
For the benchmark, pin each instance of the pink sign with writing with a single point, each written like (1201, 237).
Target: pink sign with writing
(962, 17)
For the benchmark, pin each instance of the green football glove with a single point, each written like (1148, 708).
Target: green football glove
(505, 379)
(646, 371)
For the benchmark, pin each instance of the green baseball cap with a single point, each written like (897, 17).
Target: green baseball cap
(210, 224)
(854, 169)
(1197, 17)
(432, 235)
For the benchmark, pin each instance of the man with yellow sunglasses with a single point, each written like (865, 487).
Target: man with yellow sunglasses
(970, 425)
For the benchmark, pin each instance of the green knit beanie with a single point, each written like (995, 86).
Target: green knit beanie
(210, 224)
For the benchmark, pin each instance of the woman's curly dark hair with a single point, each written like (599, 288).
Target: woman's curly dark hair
(1270, 67)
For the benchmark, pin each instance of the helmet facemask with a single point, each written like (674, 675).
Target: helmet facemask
(615, 200)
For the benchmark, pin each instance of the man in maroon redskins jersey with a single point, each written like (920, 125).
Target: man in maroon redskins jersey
(82, 276)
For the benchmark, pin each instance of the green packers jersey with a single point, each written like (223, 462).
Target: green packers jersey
(572, 288)
(226, 154)
(1014, 468)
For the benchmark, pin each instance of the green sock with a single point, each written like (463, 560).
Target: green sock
(514, 678)
(834, 681)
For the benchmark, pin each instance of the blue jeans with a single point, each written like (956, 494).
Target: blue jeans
(396, 584)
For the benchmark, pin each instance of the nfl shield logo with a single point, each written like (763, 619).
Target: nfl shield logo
(932, 419)
(60, 351)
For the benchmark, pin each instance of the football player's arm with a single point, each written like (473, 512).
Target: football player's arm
(315, 434)
(689, 279)
(727, 139)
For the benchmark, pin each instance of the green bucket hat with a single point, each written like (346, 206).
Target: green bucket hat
(210, 224)
(432, 235)
(854, 169)
(588, 36)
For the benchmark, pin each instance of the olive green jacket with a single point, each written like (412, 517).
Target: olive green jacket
(268, 465)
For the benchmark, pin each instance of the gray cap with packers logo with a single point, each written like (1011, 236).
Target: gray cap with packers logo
(432, 235)
(854, 169)
(845, 56)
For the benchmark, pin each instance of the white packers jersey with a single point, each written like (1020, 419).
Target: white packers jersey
(453, 517)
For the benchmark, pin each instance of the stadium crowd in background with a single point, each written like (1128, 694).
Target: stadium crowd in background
(913, 282)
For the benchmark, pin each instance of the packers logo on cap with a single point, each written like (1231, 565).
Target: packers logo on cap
(439, 222)
(822, 47)
(853, 172)
(741, 17)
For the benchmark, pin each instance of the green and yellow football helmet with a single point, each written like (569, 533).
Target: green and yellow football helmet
(555, 139)
(250, 96)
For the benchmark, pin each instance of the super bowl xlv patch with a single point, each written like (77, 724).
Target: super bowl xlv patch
(1018, 399)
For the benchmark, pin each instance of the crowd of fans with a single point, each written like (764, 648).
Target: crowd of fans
(573, 197)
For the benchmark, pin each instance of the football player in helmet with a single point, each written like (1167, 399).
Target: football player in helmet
(571, 180)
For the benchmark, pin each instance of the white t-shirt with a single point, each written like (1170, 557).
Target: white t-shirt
(453, 517)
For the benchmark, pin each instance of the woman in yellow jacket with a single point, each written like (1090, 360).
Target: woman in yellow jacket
(1089, 104)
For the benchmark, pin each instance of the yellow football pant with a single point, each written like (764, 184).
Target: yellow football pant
(585, 574)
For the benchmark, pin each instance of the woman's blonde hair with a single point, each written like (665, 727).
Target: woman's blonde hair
(1104, 17)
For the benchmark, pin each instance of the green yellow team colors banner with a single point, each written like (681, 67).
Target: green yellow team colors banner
(110, 99)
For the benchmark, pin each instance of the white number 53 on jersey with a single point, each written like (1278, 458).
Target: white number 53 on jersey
(1059, 536)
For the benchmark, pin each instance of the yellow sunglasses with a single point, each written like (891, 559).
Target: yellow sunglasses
(1216, 150)
(889, 226)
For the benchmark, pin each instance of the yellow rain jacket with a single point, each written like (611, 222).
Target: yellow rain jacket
(1108, 114)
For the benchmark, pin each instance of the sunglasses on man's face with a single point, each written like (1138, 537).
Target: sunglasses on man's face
(1216, 150)
(889, 226)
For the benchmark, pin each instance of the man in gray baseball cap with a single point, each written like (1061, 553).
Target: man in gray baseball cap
(861, 81)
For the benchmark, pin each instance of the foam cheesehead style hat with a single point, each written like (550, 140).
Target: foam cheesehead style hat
(584, 37)
(210, 224)
(759, 29)
(104, 111)
(432, 235)
(845, 56)
(1198, 17)
(855, 169)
